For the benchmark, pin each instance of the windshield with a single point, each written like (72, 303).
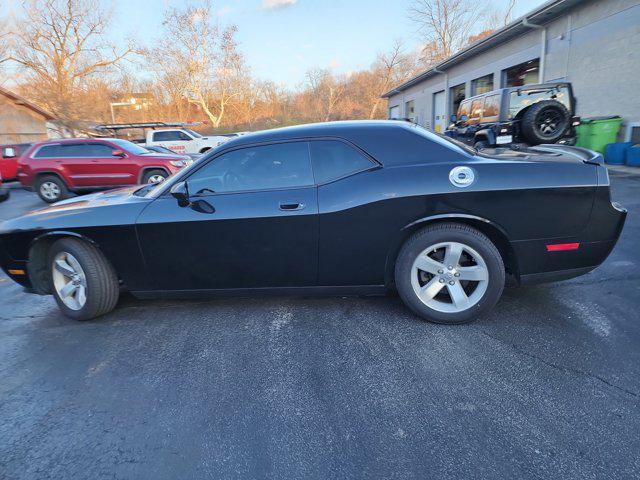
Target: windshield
(192, 133)
(129, 146)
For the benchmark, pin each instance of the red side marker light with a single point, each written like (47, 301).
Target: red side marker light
(561, 247)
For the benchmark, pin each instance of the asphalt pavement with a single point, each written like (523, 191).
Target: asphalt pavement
(548, 386)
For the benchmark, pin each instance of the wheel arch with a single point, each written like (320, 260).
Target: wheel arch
(37, 255)
(47, 173)
(496, 233)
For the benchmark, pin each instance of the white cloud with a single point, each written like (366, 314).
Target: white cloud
(277, 4)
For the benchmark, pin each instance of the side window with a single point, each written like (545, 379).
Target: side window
(491, 106)
(74, 150)
(333, 159)
(48, 151)
(283, 165)
(184, 136)
(476, 108)
(167, 136)
(98, 150)
(463, 109)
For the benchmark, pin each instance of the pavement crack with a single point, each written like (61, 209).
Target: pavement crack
(561, 368)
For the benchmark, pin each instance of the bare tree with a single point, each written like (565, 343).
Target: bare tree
(5, 35)
(496, 18)
(61, 45)
(444, 24)
(391, 68)
(325, 91)
(200, 60)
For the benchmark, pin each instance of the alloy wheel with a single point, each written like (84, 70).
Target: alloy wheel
(156, 179)
(50, 190)
(449, 277)
(69, 280)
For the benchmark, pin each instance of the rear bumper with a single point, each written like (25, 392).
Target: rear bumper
(536, 264)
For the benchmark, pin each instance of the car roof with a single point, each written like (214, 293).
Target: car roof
(391, 142)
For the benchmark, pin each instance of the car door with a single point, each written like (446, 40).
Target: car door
(108, 169)
(75, 160)
(174, 140)
(252, 223)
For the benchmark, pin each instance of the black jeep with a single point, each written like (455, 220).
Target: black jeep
(525, 115)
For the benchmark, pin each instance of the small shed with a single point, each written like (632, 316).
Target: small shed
(22, 121)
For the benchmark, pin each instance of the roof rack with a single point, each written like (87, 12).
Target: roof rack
(151, 125)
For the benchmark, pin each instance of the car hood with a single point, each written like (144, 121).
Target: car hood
(113, 207)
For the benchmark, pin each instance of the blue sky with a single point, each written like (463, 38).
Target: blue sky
(281, 44)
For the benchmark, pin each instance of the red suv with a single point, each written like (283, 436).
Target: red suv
(56, 167)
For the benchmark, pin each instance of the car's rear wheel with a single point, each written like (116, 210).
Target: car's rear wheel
(545, 122)
(51, 189)
(155, 176)
(449, 273)
(83, 282)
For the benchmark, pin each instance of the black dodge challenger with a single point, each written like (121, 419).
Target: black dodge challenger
(333, 208)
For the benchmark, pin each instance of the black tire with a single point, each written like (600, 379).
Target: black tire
(102, 287)
(449, 232)
(547, 114)
(149, 174)
(48, 193)
(480, 144)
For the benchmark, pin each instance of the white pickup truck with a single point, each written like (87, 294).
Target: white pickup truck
(184, 140)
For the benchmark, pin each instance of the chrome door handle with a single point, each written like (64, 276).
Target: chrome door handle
(291, 206)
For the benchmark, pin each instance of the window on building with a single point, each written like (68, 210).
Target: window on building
(482, 85)
(394, 112)
(333, 159)
(522, 74)
(266, 167)
(491, 106)
(410, 110)
(457, 96)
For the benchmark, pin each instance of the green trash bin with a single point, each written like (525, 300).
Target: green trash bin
(596, 132)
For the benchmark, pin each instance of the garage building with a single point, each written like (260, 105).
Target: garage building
(591, 43)
(22, 121)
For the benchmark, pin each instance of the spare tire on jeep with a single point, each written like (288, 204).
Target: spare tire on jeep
(545, 122)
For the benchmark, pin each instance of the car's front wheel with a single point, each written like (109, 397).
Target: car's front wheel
(155, 176)
(84, 284)
(449, 273)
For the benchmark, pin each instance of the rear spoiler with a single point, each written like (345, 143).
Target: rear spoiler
(583, 154)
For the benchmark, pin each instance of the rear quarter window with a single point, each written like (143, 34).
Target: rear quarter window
(333, 159)
(47, 151)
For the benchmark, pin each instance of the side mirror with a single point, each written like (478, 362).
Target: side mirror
(118, 153)
(464, 118)
(454, 119)
(9, 152)
(180, 191)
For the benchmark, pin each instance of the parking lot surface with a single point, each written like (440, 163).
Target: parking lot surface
(548, 386)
